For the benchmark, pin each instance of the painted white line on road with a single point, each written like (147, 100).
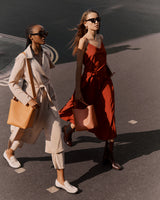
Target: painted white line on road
(52, 189)
(6, 69)
(121, 143)
(1, 84)
(4, 82)
(20, 170)
(116, 7)
(132, 122)
(53, 51)
(12, 37)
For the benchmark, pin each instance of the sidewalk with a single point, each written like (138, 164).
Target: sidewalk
(137, 147)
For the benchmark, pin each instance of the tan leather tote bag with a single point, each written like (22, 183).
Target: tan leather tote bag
(21, 115)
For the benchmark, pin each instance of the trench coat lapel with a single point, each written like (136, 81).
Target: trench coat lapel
(37, 68)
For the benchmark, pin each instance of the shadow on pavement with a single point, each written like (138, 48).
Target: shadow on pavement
(23, 160)
(134, 145)
(128, 146)
(117, 49)
(121, 20)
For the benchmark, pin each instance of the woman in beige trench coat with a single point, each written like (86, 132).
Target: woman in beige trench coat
(47, 117)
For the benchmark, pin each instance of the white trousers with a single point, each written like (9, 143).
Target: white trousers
(47, 120)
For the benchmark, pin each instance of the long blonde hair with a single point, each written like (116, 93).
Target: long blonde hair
(81, 30)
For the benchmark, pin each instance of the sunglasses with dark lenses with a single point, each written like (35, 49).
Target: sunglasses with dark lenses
(94, 20)
(41, 33)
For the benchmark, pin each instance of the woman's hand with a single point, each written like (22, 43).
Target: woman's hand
(33, 103)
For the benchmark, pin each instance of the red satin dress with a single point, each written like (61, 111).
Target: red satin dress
(97, 89)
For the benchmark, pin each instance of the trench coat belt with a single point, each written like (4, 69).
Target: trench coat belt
(45, 88)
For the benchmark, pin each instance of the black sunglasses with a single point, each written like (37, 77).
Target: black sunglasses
(93, 20)
(41, 33)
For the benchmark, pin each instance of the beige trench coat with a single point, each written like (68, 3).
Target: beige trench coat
(47, 118)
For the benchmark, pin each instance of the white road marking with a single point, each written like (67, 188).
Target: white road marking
(124, 143)
(20, 170)
(116, 7)
(121, 143)
(53, 52)
(52, 189)
(3, 35)
(4, 84)
(132, 122)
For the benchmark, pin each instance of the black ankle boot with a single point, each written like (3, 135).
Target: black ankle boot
(68, 131)
(108, 156)
(105, 159)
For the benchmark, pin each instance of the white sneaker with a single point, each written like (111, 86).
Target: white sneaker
(67, 186)
(13, 162)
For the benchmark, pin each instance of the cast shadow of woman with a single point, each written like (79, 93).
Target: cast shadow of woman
(128, 146)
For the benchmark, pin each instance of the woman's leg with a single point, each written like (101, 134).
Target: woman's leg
(9, 154)
(54, 145)
(108, 155)
(60, 176)
(10, 151)
(58, 162)
(68, 131)
(13, 143)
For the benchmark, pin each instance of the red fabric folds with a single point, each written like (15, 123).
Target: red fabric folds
(97, 89)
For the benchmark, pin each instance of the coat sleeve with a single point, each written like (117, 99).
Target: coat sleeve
(16, 74)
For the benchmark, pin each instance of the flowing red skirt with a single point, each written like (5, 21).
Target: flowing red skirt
(97, 89)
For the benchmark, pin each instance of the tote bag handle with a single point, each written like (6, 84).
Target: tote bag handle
(30, 76)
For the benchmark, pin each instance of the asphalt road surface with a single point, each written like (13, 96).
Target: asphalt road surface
(121, 20)
(133, 54)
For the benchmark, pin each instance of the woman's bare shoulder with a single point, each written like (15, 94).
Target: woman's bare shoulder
(83, 42)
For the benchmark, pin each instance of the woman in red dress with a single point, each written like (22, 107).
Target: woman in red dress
(93, 86)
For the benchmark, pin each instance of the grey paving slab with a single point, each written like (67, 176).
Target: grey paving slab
(137, 147)
(132, 39)
(121, 20)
